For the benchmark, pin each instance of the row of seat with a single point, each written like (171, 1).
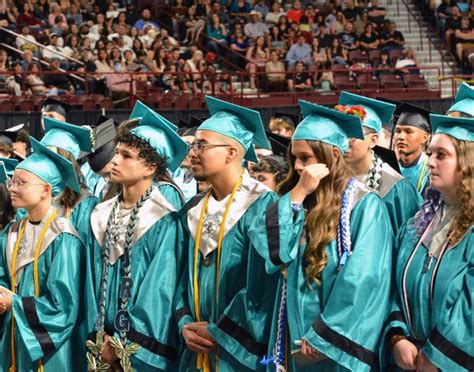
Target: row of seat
(34, 103)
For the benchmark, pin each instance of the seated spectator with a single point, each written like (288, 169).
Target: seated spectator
(35, 83)
(258, 56)
(196, 65)
(320, 57)
(305, 28)
(14, 83)
(4, 67)
(376, 13)
(392, 39)
(71, 48)
(452, 24)
(275, 72)
(26, 41)
(194, 26)
(41, 9)
(273, 17)
(217, 33)
(255, 27)
(159, 60)
(26, 17)
(103, 63)
(406, 64)
(369, 40)
(55, 13)
(26, 59)
(49, 51)
(310, 12)
(325, 40)
(339, 24)
(262, 8)
(337, 54)
(464, 38)
(360, 23)
(276, 40)
(298, 79)
(283, 26)
(170, 80)
(220, 11)
(296, 12)
(351, 11)
(240, 10)
(385, 64)
(146, 19)
(442, 14)
(178, 16)
(74, 15)
(238, 43)
(121, 20)
(122, 33)
(57, 80)
(299, 52)
(348, 38)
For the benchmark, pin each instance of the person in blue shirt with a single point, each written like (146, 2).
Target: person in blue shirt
(145, 20)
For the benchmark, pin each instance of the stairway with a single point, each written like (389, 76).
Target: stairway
(410, 29)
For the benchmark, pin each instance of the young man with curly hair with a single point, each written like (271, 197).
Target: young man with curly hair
(134, 247)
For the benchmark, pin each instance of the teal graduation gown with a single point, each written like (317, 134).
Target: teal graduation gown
(154, 270)
(400, 196)
(342, 318)
(434, 308)
(43, 325)
(240, 321)
(186, 182)
(172, 194)
(417, 171)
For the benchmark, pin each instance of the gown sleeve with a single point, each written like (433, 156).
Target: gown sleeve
(244, 326)
(348, 329)
(81, 217)
(46, 322)
(276, 233)
(171, 194)
(450, 345)
(152, 325)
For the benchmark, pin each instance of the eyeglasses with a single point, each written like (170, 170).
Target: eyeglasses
(201, 147)
(19, 184)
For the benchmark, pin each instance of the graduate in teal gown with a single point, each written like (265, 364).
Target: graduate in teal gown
(430, 325)
(133, 264)
(400, 196)
(41, 270)
(463, 103)
(411, 135)
(331, 238)
(7, 212)
(70, 140)
(224, 307)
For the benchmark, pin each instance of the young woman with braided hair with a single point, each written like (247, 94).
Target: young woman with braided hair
(400, 197)
(429, 327)
(133, 262)
(331, 237)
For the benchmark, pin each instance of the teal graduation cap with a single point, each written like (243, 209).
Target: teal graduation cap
(464, 101)
(70, 137)
(378, 112)
(51, 168)
(7, 168)
(154, 129)
(239, 123)
(140, 109)
(459, 128)
(327, 125)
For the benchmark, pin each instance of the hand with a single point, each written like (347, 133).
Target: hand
(406, 354)
(197, 337)
(308, 350)
(309, 180)
(423, 364)
(5, 300)
(108, 351)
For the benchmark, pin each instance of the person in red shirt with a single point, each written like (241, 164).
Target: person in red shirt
(296, 12)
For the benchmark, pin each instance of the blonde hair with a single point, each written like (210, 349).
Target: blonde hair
(277, 124)
(323, 206)
(464, 218)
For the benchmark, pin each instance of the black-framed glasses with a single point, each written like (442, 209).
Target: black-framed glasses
(201, 147)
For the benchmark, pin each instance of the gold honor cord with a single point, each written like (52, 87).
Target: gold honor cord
(35, 275)
(203, 359)
(420, 179)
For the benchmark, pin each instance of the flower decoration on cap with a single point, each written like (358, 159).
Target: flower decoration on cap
(358, 111)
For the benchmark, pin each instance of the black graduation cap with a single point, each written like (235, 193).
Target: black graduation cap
(51, 104)
(104, 137)
(292, 119)
(414, 116)
(278, 143)
(387, 156)
(196, 121)
(8, 136)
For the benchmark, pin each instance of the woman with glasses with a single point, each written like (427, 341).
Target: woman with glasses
(41, 270)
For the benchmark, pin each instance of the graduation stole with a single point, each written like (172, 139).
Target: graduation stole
(420, 179)
(203, 359)
(16, 249)
(122, 318)
(375, 173)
